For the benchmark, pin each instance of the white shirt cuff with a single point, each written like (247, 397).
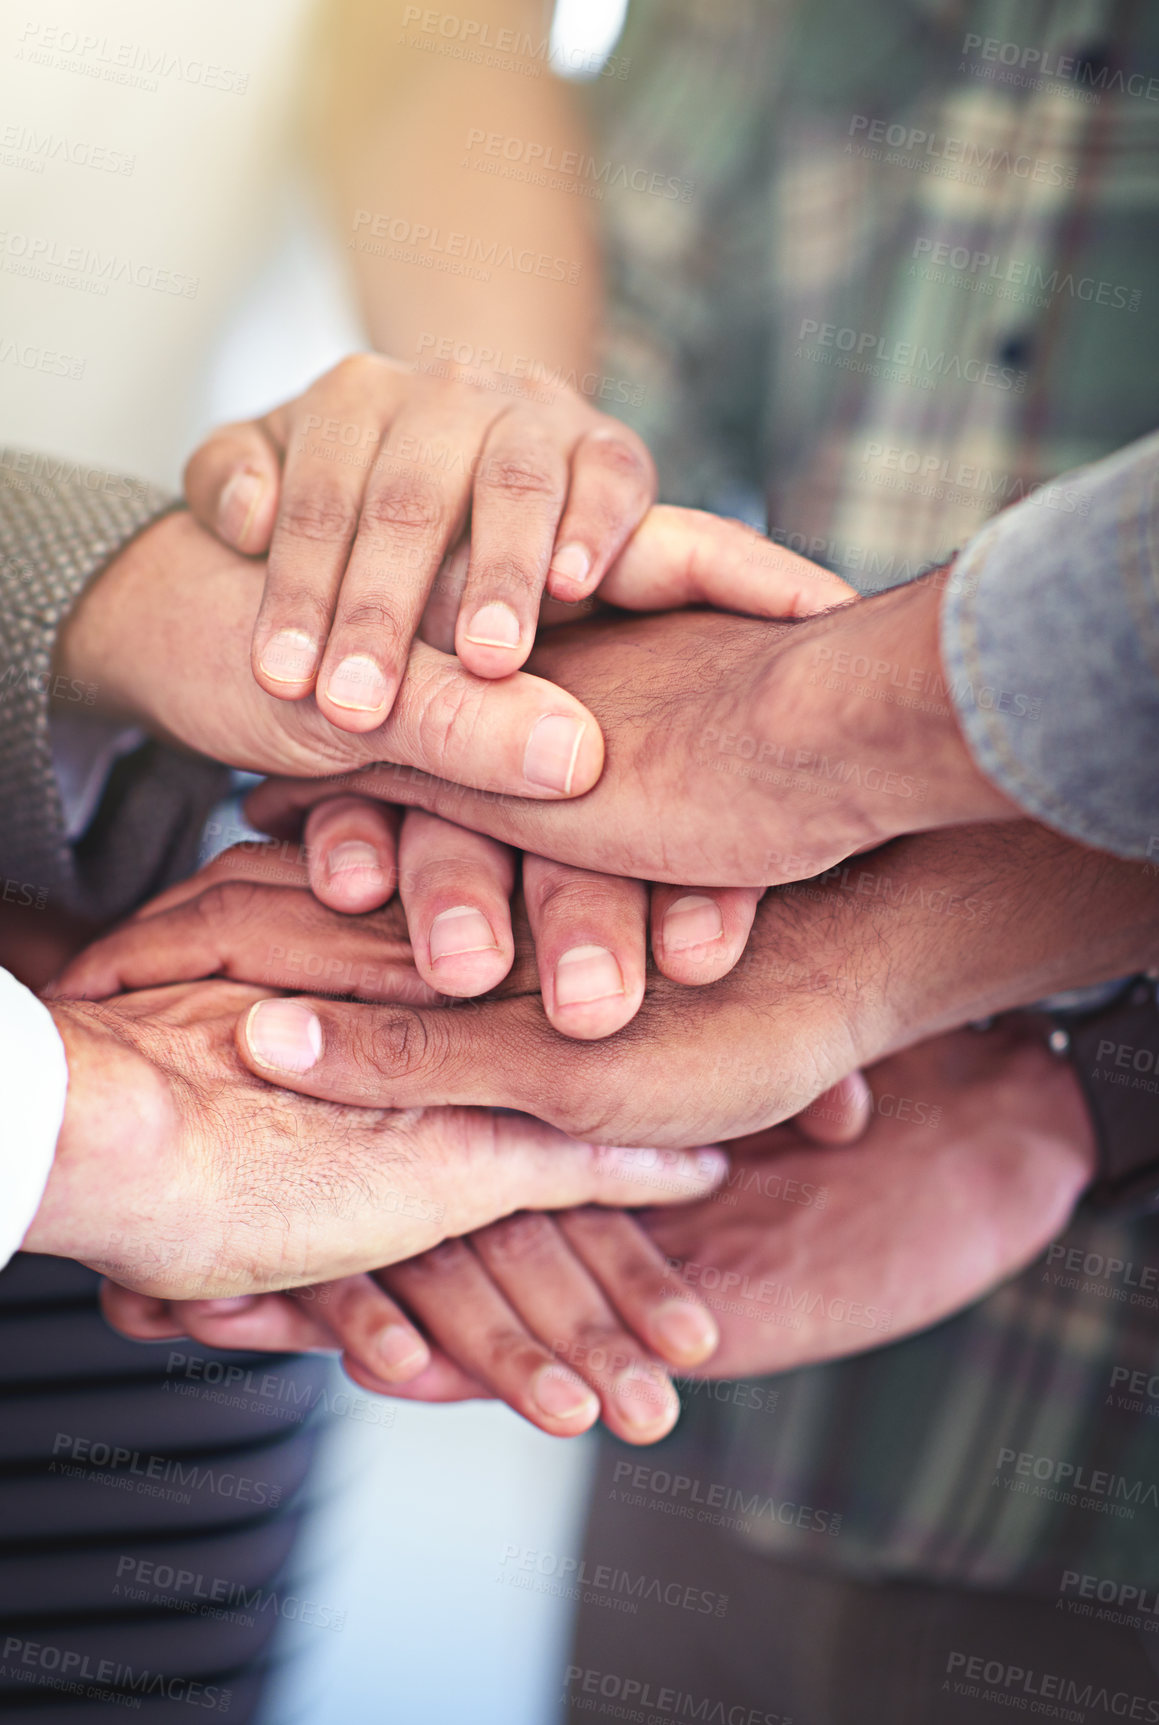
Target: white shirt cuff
(33, 1084)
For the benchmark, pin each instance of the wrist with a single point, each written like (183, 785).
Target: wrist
(941, 929)
(164, 627)
(117, 1115)
(876, 695)
(104, 641)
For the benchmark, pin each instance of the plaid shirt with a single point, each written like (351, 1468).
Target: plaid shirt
(915, 279)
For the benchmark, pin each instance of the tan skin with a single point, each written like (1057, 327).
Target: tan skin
(984, 1190)
(164, 633)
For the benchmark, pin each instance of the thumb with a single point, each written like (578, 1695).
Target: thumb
(682, 557)
(535, 1167)
(839, 1115)
(231, 485)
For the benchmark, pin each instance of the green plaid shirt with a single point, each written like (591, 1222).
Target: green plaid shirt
(915, 279)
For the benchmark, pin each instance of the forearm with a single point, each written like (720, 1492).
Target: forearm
(400, 147)
(938, 930)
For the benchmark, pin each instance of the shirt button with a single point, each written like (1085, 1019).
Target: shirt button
(1016, 350)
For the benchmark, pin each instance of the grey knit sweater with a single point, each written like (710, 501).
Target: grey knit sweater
(60, 524)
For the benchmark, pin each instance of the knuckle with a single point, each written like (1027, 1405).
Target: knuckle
(506, 572)
(352, 367)
(606, 1348)
(520, 478)
(442, 877)
(526, 1236)
(357, 372)
(400, 1044)
(511, 1350)
(406, 504)
(292, 602)
(449, 1258)
(321, 514)
(622, 459)
(227, 901)
(564, 897)
(368, 614)
(447, 716)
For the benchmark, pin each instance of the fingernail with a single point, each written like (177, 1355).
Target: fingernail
(693, 920)
(551, 752)
(239, 501)
(688, 1332)
(462, 929)
(585, 974)
(351, 857)
(562, 1395)
(358, 683)
(644, 1399)
(290, 656)
(494, 625)
(711, 1165)
(856, 1091)
(283, 1035)
(572, 563)
(401, 1351)
(226, 1308)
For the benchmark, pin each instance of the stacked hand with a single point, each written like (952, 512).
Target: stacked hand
(803, 1253)
(164, 635)
(491, 1314)
(361, 489)
(732, 752)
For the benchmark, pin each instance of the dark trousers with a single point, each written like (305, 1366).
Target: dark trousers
(735, 1636)
(149, 1499)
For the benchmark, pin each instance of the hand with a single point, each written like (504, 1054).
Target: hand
(360, 487)
(233, 918)
(584, 1289)
(164, 635)
(181, 1176)
(590, 931)
(977, 1149)
(972, 1168)
(587, 1286)
(934, 932)
(245, 916)
(728, 762)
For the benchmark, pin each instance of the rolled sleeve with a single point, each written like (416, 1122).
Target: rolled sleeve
(1050, 640)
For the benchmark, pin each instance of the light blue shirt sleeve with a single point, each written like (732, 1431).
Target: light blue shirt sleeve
(1050, 641)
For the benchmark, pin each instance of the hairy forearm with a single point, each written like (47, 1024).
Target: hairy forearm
(937, 930)
(399, 139)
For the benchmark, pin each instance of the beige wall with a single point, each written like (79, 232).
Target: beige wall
(100, 359)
